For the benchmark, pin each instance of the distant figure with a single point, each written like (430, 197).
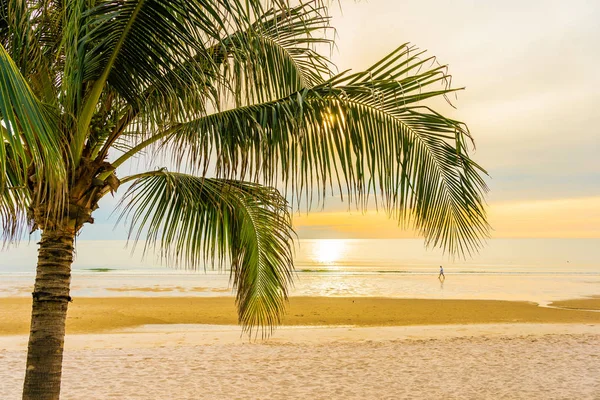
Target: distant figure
(441, 275)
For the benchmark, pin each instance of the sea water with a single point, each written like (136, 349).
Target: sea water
(539, 270)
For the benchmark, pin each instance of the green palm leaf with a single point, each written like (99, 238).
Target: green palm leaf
(133, 46)
(30, 154)
(190, 219)
(14, 199)
(17, 34)
(370, 133)
(278, 58)
(29, 31)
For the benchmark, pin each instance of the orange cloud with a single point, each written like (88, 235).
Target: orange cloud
(354, 225)
(563, 218)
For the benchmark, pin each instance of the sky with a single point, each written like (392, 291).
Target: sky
(532, 102)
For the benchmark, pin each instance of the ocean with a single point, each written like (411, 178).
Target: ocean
(538, 270)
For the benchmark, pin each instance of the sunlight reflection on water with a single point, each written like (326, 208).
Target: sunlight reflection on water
(533, 270)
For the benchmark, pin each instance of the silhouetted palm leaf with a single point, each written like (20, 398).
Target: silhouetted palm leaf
(192, 219)
(368, 131)
(28, 139)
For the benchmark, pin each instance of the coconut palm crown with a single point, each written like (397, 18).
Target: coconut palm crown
(236, 98)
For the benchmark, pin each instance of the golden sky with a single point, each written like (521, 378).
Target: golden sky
(559, 218)
(531, 101)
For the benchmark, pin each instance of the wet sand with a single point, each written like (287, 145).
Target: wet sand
(579, 304)
(93, 315)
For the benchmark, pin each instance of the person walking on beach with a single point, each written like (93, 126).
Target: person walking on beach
(441, 275)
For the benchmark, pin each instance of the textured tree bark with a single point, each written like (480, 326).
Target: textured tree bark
(49, 312)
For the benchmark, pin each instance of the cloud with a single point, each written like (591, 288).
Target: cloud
(336, 224)
(563, 218)
(529, 68)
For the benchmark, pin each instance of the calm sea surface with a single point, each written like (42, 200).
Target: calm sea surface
(538, 270)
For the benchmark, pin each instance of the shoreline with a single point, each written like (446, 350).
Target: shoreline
(112, 314)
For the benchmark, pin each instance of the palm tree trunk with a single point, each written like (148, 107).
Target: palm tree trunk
(49, 312)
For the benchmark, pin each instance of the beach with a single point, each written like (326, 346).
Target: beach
(95, 315)
(368, 323)
(510, 361)
(327, 348)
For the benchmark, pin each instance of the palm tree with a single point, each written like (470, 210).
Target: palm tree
(236, 96)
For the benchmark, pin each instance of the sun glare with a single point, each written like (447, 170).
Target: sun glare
(329, 251)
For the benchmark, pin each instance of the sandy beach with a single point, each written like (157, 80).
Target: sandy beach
(93, 315)
(328, 348)
(484, 361)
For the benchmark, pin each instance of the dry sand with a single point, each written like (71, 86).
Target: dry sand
(507, 361)
(134, 348)
(88, 315)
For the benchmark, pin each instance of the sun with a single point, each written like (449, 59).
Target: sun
(329, 251)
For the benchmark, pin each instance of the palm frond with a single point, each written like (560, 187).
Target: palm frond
(190, 219)
(370, 133)
(74, 48)
(280, 56)
(14, 199)
(273, 57)
(131, 44)
(16, 32)
(30, 141)
(27, 32)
